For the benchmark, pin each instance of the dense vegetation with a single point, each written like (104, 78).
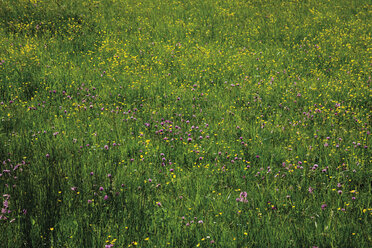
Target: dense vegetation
(201, 123)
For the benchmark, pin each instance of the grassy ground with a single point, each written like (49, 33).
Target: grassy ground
(185, 123)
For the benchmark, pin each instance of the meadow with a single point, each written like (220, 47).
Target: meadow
(200, 123)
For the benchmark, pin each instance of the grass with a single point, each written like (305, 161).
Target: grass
(185, 123)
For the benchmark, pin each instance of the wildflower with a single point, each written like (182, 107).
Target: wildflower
(324, 206)
(310, 190)
(242, 197)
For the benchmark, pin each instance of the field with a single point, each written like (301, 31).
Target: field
(201, 123)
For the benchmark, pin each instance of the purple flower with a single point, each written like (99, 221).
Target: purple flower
(339, 192)
(242, 197)
(101, 188)
(106, 197)
(310, 190)
(47, 155)
(324, 206)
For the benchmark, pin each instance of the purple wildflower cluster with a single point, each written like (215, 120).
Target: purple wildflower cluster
(242, 197)
(9, 175)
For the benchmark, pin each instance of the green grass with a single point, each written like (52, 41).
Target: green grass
(185, 123)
